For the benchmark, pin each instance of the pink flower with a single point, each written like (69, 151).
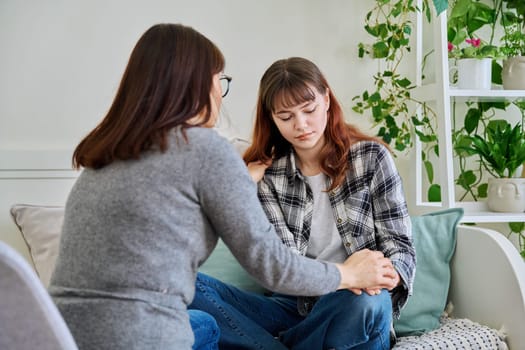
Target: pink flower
(450, 46)
(474, 42)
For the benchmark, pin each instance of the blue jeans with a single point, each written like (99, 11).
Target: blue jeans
(205, 330)
(338, 320)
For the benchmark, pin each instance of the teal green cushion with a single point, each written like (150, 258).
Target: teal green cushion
(434, 237)
(222, 265)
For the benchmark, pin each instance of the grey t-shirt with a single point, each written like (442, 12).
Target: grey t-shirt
(136, 231)
(325, 241)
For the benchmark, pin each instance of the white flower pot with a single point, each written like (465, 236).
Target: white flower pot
(513, 73)
(506, 195)
(473, 73)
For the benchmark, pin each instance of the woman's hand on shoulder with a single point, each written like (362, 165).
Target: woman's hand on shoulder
(257, 169)
(367, 270)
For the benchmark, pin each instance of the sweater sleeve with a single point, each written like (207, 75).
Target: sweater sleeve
(228, 196)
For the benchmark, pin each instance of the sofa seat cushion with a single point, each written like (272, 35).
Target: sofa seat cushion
(455, 334)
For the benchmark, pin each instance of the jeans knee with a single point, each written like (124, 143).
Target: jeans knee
(364, 311)
(358, 319)
(205, 329)
(376, 304)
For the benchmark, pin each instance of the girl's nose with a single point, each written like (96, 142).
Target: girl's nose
(300, 122)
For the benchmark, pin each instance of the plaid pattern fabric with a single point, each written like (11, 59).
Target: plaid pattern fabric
(369, 209)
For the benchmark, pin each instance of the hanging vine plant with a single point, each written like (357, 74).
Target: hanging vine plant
(395, 112)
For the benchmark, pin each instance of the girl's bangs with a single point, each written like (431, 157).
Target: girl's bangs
(289, 95)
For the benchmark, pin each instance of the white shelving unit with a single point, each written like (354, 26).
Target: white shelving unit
(443, 94)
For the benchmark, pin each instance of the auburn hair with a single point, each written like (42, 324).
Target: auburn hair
(167, 81)
(289, 82)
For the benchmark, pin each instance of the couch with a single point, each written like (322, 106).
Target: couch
(483, 298)
(485, 294)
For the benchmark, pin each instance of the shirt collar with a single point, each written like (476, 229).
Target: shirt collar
(291, 167)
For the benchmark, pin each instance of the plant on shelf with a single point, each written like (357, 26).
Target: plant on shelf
(473, 48)
(513, 43)
(513, 22)
(501, 149)
(400, 118)
(466, 19)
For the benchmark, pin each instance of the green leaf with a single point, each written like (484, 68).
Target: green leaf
(517, 227)
(493, 125)
(472, 120)
(462, 146)
(483, 190)
(428, 14)
(485, 106)
(375, 97)
(382, 30)
(403, 82)
(372, 30)
(380, 50)
(430, 171)
(460, 9)
(377, 112)
(440, 5)
(451, 35)
(425, 138)
(434, 193)
(416, 121)
(496, 73)
(466, 179)
(361, 52)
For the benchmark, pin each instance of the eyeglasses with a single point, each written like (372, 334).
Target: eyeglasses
(225, 84)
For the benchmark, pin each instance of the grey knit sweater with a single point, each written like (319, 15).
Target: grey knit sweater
(135, 233)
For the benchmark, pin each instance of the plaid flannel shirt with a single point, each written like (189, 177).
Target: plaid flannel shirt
(369, 209)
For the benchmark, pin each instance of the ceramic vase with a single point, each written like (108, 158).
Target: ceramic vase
(513, 73)
(472, 73)
(506, 195)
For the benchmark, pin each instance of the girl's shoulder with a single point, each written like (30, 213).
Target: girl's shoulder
(367, 148)
(281, 167)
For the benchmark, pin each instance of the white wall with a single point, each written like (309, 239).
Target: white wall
(62, 60)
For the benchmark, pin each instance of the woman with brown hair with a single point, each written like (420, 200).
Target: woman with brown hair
(330, 192)
(155, 194)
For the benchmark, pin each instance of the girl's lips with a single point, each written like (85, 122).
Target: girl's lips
(304, 136)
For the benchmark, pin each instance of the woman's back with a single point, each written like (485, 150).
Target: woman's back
(135, 230)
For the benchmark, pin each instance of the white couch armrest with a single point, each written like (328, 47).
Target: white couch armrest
(488, 282)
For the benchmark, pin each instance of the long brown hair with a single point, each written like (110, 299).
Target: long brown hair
(290, 82)
(167, 81)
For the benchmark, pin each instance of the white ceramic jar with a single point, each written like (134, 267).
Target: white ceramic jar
(513, 73)
(506, 195)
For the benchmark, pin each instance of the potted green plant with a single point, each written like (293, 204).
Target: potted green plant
(471, 54)
(501, 151)
(513, 43)
(473, 66)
